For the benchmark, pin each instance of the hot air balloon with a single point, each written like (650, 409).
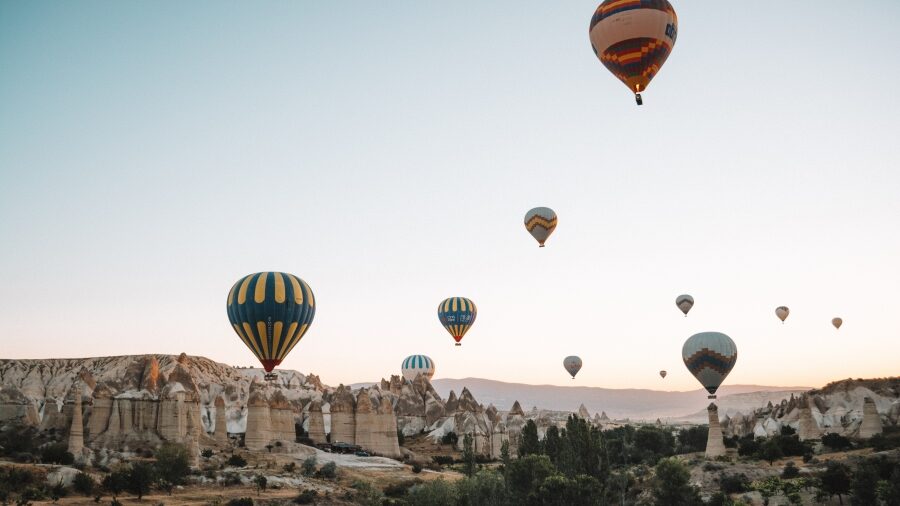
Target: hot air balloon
(837, 322)
(633, 38)
(684, 303)
(414, 365)
(457, 314)
(540, 223)
(709, 356)
(572, 364)
(782, 313)
(270, 312)
(662, 374)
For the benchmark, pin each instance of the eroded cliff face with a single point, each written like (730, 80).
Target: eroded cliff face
(852, 408)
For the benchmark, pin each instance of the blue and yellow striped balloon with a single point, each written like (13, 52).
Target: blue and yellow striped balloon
(457, 314)
(270, 312)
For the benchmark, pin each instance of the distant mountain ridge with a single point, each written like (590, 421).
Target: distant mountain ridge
(617, 403)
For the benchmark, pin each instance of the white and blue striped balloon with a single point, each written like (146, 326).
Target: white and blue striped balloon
(414, 365)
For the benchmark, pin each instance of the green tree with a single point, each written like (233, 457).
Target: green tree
(693, 439)
(432, 493)
(57, 453)
(486, 488)
(468, 456)
(308, 467)
(261, 482)
(529, 444)
(864, 487)
(672, 486)
(889, 490)
(140, 478)
(84, 484)
(172, 466)
(770, 451)
(506, 460)
(115, 482)
(835, 481)
(526, 475)
(551, 444)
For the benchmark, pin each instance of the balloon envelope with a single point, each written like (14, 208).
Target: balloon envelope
(540, 223)
(709, 356)
(414, 365)
(684, 303)
(457, 314)
(662, 374)
(572, 364)
(837, 322)
(270, 312)
(633, 38)
(782, 312)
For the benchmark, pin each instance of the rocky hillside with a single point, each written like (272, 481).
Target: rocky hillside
(632, 403)
(852, 407)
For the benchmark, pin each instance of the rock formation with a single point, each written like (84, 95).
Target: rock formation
(316, 429)
(871, 422)
(259, 422)
(221, 426)
(807, 427)
(343, 418)
(282, 417)
(583, 413)
(714, 445)
(76, 432)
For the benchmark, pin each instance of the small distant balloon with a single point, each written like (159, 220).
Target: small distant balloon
(414, 365)
(572, 365)
(662, 374)
(457, 314)
(540, 223)
(837, 322)
(709, 356)
(782, 313)
(685, 303)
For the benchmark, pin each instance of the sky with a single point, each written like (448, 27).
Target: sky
(152, 153)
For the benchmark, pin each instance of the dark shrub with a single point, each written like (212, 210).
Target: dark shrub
(836, 442)
(417, 468)
(57, 453)
(328, 471)
(450, 438)
(243, 501)
(237, 461)
(306, 497)
(734, 483)
(790, 471)
(84, 484)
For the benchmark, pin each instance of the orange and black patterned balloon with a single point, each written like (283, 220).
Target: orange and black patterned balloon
(633, 38)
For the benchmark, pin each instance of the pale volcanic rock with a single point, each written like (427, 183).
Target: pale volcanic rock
(452, 404)
(343, 417)
(807, 426)
(221, 428)
(282, 416)
(434, 408)
(76, 431)
(603, 417)
(715, 447)
(316, 429)
(114, 424)
(583, 413)
(53, 417)
(376, 425)
(259, 422)
(14, 405)
(467, 401)
(871, 422)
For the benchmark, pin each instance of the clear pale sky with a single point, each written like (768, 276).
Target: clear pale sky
(151, 153)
